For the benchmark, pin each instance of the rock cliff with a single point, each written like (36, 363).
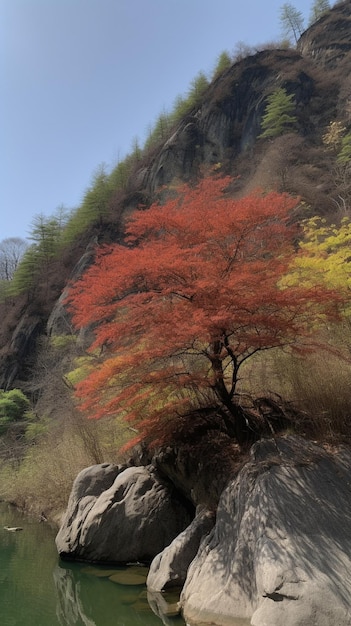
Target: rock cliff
(222, 132)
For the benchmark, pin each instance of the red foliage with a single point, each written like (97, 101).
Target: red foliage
(192, 295)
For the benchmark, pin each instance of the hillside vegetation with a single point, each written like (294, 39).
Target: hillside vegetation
(198, 297)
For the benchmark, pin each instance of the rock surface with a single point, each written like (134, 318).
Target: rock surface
(118, 515)
(170, 567)
(327, 41)
(280, 552)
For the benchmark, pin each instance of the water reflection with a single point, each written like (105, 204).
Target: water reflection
(165, 606)
(37, 589)
(88, 597)
(69, 607)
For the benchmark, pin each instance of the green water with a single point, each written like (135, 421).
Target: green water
(37, 589)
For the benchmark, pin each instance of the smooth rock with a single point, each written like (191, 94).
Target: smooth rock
(280, 552)
(118, 515)
(170, 567)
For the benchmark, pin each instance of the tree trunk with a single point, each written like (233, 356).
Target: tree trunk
(235, 420)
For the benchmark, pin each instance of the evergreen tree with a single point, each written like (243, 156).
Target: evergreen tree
(96, 199)
(120, 174)
(291, 21)
(198, 87)
(25, 273)
(180, 109)
(136, 152)
(223, 63)
(94, 207)
(319, 7)
(46, 233)
(345, 152)
(160, 131)
(279, 116)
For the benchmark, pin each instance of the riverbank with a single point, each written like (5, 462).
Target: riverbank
(278, 550)
(38, 589)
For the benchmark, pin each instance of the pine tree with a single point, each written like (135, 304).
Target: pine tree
(318, 9)
(278, 118)
(223, 63)
(291, 21)
(198, 87)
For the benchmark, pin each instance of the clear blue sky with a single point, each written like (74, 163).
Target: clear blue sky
(82, 78)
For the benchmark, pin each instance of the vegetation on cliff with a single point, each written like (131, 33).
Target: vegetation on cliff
(194, 293)
(174, 325)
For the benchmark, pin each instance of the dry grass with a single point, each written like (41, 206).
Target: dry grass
(318, 386)
(321, 390)
(42, 480)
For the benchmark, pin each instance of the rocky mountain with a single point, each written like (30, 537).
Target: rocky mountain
(256, 532)
(222, 132)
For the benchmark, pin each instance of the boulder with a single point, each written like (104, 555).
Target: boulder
(118, 515)
(280, 552)
(170, 567)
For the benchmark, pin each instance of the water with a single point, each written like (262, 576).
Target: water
(37, 589)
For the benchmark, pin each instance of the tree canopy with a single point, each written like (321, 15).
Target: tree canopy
(11, 251)
(291, 20)
(192, 295)
(325, 255)
(46, 235)
(279, 115)
(319, 8)
(13, 407)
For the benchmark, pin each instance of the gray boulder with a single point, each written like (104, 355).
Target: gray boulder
(280, 552)
(118, 515)
(90, 483)
(170, 567)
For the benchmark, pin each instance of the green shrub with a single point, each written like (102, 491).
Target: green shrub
(344, 155)
(13, 405)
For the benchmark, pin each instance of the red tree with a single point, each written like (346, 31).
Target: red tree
(191, 296)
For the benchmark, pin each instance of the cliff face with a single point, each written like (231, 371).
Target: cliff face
(227, 124)
(222, 132)
(328, 41)
(225, 128)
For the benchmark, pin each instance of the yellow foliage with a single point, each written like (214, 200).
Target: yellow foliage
(324, 256)
(83, 366)
(332, 138)
(62, 342)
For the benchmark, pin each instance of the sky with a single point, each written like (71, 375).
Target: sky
(81, 79)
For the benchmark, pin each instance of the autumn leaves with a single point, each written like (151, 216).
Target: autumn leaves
(197, 289)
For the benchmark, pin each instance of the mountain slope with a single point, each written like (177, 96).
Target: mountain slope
(222, 131)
